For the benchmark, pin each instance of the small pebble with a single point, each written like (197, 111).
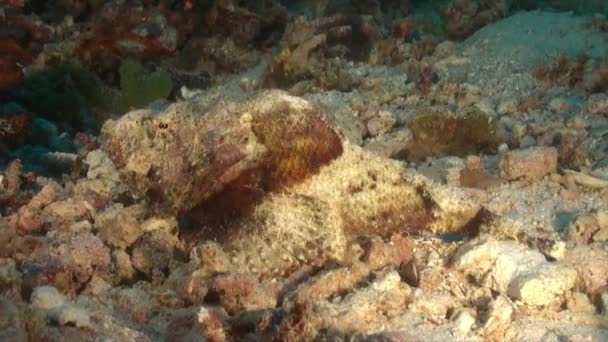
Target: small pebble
(464, 321)
(533, 162)
(508, 106)
(568, 195)
(8, 272)
(381, 124)
(527, 142)
(47, 298)
(486, 106)
(598, 104)
(560, 105)
(445, 49)
(519, 130)
(579, 122)
(71, 315)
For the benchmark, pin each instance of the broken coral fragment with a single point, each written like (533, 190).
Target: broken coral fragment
(515, 270)
(303, 55)
(534, 162)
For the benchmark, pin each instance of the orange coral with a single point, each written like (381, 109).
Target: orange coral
(12, 58)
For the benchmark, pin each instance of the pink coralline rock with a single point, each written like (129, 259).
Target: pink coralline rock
(46, 207)
(135, 303)
(122, 268)
(591, 263)
(396, 252)
(83, 255)
(47, 195)
(31, 220)
(120, 227)
(153, 253)
(242, 292)
(533, 162)
(374, 254)
(191, 281)
(68, 211)
(370, 307)
(191, 285)
(210, 258)
(211, 325)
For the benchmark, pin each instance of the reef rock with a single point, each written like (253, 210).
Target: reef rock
(306, 47)
(512, 269)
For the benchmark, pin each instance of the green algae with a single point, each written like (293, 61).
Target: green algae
(67, 94)
(139, 87)
(438, 134)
